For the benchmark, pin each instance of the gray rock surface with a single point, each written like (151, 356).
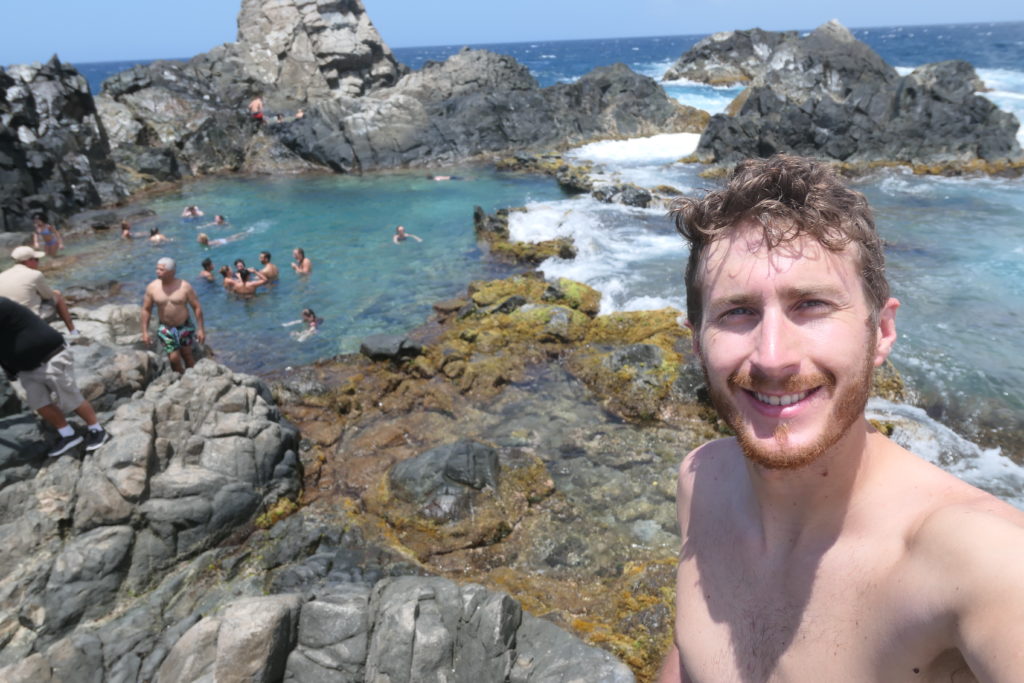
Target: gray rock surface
(54, 153)
(829, 95)
(191, 459)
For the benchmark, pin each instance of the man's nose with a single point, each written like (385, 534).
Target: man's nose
(777, 344)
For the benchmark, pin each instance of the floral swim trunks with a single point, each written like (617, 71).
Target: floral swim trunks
(176, 337)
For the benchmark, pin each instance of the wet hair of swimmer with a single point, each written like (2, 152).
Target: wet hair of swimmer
(308, 313)
(225, 271)
(207, 264)
(239, 264)
(153, 231)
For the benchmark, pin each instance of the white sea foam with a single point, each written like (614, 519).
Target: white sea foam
(986, 468)
(652, 303)
(663, 148)
(623, 252)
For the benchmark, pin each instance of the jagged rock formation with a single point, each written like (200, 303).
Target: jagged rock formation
(310, 50)
(54, 154)
(478, 102)
(729, 57)
(829, 95)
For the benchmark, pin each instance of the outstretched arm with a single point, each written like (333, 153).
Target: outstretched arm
(980, 551)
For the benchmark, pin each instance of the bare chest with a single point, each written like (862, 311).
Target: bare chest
(847, 613)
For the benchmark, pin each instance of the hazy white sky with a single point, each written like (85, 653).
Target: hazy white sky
(108, 30)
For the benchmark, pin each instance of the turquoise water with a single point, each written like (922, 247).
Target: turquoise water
(361, 283)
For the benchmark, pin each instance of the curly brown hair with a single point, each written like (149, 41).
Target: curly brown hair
(789, 197)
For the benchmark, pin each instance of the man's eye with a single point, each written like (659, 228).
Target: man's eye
(738, 312)
(813, 305)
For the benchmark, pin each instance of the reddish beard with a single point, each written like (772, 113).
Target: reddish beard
(848, 406)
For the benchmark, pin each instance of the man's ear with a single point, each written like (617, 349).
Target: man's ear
(694, 336)
(885, 330)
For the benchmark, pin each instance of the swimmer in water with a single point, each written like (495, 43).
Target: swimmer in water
(401, 235)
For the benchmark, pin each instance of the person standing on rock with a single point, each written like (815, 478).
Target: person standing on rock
(256, 108)
(172, 297)
(35, 354)
(24, 284)
(302, 265)
(813, 547)
(46, 237)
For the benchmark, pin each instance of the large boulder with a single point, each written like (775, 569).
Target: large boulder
(54, 153)
(829, 95)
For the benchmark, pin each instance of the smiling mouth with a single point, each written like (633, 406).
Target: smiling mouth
(784, 400)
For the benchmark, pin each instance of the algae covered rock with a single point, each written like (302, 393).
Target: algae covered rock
(459, 495)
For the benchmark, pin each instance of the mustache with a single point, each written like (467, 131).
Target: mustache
(757, 380)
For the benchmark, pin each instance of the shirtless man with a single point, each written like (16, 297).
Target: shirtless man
(269, 270)
(256, 108)
(302, 265)
(401, 235)
(813, 547)
(172, 297)
(207, 272)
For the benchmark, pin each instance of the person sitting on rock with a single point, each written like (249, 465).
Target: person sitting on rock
(35, 354)
(24, 284)
(46, 237)
(401, 235)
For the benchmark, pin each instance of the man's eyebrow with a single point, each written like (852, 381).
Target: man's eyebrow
(735, 300)
(812, 291)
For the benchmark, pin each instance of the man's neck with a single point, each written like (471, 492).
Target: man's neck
(811, 503)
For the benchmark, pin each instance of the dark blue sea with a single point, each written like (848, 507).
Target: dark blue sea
(956, 245)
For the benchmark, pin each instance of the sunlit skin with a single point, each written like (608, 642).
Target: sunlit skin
(786, 324)
(813, 547)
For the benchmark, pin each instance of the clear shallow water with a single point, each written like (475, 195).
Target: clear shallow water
(361, 283)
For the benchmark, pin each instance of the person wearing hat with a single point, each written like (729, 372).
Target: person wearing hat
(24, 284)
(35, 354)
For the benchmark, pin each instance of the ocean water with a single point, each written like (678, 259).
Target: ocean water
(955, 254)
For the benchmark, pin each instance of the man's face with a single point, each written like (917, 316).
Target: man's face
(32, 263)
(787, 345)
(296, 255)
(163, 272)
(264, 259)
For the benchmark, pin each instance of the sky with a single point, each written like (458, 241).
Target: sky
(113, 30)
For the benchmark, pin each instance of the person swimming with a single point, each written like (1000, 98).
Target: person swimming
(311, 321)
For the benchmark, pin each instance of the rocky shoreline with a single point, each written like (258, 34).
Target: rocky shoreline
(824, 95)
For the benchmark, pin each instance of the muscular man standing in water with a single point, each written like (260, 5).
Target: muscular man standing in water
(813, 547)
(172, 297)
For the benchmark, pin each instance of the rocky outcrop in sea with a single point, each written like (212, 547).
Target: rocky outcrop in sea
(830, 96)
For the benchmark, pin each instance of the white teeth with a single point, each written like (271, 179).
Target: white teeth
(786, 400)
